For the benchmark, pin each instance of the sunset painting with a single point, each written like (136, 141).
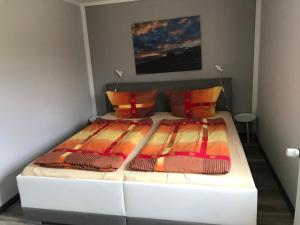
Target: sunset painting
(167, 45)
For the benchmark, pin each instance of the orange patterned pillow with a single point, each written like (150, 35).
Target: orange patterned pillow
(194, 103)
(133, 104)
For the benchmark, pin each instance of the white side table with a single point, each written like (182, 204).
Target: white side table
(246, 118)
(93, 119)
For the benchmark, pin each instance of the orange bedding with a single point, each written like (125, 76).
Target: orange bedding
(102, 146)
(186, 146)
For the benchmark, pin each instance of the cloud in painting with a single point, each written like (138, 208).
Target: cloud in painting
(144, 28)
(156, 39)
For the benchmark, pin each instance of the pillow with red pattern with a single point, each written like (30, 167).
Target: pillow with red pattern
(194, 103)
(133, 104)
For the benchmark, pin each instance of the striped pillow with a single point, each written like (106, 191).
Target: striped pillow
(194, 103)
(133, 104)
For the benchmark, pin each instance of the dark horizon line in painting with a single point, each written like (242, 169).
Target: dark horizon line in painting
(167, 45)
(187, 61)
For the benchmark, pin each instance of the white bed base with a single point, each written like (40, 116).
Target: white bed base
(187, 203)
(191, 203)
(72, 195)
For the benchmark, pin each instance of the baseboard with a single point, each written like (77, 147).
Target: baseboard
(281, 188)
(143, 221)
(9, 203)
(64, 217)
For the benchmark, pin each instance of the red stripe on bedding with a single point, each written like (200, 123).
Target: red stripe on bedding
(133, 105)
(90, 152)
(174, 134)
(196, 104)
(106, 124)
(188, 99)
(191, 121)
(116, 142)
(204, 142)
(193, 154)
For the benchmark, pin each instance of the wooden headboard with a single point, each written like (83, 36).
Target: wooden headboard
(162, 104)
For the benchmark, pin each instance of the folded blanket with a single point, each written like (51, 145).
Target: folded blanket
(186, 146)
(102, 146)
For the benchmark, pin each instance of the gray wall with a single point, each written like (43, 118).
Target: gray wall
(278, 101)
(227, 28)
(44, 93)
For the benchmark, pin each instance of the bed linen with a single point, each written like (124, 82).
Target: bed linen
(101, 146)
(128, 105)
(186, 146)
(239, 175)
(175, 196)
(194, 103)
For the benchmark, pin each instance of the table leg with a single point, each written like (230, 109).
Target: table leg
(247, 128)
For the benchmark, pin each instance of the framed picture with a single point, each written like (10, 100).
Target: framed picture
(167, 45)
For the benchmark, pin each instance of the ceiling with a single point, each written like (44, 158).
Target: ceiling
(92, 1)
(85, 1)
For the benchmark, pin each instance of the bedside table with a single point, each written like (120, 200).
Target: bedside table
(92, 119)
(246, 118)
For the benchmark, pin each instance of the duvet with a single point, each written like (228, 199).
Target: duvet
(186, 146)
(102, 146)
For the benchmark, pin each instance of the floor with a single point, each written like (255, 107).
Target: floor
(272, 208)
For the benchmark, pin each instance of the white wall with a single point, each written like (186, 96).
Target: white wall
(279, 88)
(44, 93)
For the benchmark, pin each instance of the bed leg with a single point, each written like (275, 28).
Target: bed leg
(248, 135)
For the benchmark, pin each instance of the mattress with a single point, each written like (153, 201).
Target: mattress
(239, 175)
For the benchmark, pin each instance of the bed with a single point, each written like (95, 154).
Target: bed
(131, 197)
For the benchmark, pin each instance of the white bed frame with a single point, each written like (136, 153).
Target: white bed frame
(72, 201)
(198, 204)
(191, 203)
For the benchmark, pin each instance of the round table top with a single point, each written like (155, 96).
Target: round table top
(245, 117)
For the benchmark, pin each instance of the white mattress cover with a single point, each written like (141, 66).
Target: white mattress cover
(239, 175)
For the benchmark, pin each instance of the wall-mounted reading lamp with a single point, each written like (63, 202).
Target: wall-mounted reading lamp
(220, 69)
(120, 74)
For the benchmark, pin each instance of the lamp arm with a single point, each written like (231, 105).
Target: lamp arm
(225, 94)
(116, 88)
